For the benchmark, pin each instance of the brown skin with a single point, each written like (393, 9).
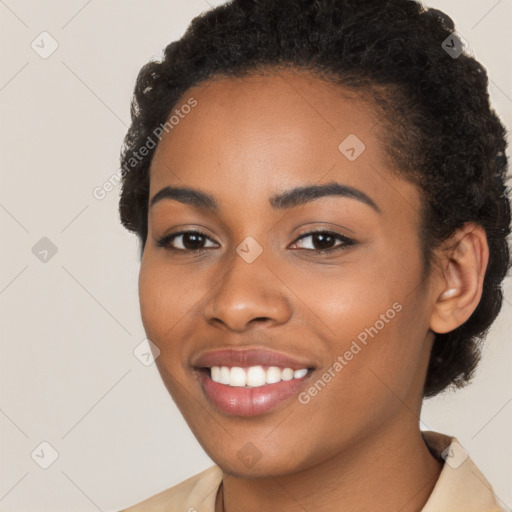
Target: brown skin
(356, 445)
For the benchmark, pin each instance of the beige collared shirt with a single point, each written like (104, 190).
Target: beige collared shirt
(461, 486)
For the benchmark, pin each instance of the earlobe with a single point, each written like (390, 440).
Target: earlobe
(459, 289)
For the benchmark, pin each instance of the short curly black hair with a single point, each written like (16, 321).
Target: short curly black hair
(445, 137)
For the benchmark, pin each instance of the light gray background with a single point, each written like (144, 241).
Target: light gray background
(68, 375)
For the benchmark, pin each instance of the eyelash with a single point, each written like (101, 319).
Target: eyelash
(165, 241)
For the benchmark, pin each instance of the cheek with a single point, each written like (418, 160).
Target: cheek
(166, 298)
(166, 301)
(375, 322)
(363, 386)
(152, 299)
(353, 299)
(166, 294)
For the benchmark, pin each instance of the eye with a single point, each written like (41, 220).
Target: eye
(190, 241)
(324, 241)
(194, 241)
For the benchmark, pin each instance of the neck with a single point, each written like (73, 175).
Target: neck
(388, 472)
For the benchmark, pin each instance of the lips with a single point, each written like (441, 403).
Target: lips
(248, 357)
(249, 382)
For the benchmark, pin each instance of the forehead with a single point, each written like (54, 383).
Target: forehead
(265, 133)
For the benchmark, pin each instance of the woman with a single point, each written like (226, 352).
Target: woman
(319, 192)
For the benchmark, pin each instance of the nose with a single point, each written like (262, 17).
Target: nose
(248, 294)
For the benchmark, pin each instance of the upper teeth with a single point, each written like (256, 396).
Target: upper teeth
(254, 376)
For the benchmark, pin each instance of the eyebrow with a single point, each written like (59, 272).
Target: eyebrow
(288, 199)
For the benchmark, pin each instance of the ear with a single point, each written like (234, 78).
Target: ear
(458, 290)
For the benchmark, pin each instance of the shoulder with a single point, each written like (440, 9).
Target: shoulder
(196, 494)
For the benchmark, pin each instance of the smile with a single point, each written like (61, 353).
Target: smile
(250, 381)
(254, 376)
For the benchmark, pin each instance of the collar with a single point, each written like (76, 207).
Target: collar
(461, 486)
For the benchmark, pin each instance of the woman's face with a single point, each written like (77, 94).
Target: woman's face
(261, 294)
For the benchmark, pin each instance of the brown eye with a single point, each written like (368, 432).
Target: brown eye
(325, 241)
(185, 241)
